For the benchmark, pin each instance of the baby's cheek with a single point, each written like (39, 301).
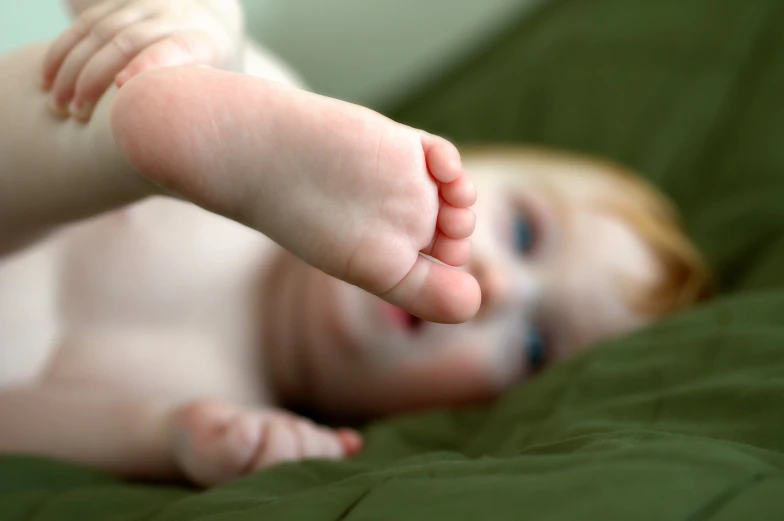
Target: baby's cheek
(505, 361)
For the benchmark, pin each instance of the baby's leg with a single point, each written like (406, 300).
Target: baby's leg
(53, 172)
(345, 189)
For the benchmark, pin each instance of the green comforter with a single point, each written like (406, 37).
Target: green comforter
(684, 421)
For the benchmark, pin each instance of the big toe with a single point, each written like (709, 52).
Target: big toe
(437, 293)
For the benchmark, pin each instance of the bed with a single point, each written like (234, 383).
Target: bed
(682, 421)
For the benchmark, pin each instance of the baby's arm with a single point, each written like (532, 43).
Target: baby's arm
(206, 441)
(121, 435)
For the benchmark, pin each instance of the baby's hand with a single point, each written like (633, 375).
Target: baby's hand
(116, 39)
(216, 441)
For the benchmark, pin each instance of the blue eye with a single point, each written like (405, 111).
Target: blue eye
(535, 349)
(524, 234)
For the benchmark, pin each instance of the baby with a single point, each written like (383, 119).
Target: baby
(145, 336)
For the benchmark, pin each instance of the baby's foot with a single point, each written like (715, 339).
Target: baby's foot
(114, 40)
(345, 189)
(217, 442)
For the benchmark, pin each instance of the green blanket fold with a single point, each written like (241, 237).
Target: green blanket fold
(682, 421)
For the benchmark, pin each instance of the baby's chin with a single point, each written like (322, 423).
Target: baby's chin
(374, 359)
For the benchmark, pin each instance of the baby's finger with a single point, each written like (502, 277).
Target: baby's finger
(100, 72)
(56, 54)
(280, 444)
(311, 441)
(330, 445)
(101, 33)
(182, 48)
(351, 441)
(62, 45)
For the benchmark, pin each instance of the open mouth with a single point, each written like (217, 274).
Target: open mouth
(402, 319)
(413, 323)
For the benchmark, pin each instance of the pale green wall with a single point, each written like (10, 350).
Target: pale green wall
(26, 21)
(368, 51)
(375, 51)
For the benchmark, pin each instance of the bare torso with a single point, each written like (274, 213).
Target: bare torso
(157, 299)
(132, 341)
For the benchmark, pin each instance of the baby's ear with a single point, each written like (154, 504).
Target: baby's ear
(685, 278)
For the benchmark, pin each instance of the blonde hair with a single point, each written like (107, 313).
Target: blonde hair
(685, 277)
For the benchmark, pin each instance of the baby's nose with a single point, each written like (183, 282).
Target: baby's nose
(493, 281)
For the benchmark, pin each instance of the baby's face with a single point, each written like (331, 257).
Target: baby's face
(556, 276)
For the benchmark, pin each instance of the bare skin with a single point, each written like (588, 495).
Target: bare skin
(163, 303)
(152, 435)
(63, 171)
(362, 201)
(375, 201)
(159, 340)
(73, 171)
(111, 41)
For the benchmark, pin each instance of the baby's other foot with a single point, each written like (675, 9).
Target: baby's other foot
(113, 40)
(217, 442)
(360, 197)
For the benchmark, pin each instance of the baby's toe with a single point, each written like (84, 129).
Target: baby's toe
(443, 158)
(453, 252)
(437, 293)
(457, 223)
(460, 193)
